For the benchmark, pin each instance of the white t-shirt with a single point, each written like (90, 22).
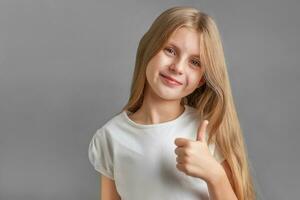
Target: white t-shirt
(141, 159)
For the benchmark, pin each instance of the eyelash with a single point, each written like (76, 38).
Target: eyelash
(168, 49)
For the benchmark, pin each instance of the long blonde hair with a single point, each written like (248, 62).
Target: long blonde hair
(213, 100)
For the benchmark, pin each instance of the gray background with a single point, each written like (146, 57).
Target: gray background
(66, 67)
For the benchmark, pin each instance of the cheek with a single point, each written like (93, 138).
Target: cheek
(153, 64)
(193, 81)
(152, 71)
(161, 60)
(157, 64)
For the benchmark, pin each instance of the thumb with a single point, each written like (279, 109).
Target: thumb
(201, 131)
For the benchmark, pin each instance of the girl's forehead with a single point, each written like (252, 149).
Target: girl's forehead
(185, 39)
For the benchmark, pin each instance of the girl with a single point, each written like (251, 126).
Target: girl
(179, 136)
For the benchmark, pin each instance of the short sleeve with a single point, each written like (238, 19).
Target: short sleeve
(217, 154)
(100, 153)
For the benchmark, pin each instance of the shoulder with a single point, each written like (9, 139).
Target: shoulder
(113, 130)
(110, 124)
(103, 139)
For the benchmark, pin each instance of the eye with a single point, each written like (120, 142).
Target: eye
(170, 50)
(195, 62)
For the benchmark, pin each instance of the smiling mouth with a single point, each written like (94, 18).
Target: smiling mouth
(171, 80)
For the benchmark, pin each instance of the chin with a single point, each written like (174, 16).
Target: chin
(168, 95)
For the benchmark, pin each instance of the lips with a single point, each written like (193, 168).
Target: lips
(170, 78)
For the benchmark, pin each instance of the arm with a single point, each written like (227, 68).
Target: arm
(108, 189)
(221, 186)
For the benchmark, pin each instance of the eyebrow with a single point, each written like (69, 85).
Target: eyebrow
(178, 49)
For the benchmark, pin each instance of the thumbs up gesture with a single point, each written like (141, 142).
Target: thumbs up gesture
(194, 158)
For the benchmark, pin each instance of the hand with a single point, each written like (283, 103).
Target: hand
(194, 158)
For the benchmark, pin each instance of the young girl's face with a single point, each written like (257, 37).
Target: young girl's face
(178, 59)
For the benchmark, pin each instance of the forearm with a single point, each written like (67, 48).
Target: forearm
(219, 188)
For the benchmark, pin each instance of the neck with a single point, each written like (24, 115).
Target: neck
(156, 110)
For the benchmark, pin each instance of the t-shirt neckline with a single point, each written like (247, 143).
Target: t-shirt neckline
(167, 123)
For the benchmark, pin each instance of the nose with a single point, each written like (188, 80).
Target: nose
(177, 67)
